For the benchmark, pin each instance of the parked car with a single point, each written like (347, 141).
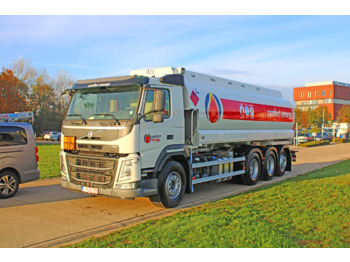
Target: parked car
(55, 136)
(323, 137)
(303, 138)
(47, 135)
(18, 157)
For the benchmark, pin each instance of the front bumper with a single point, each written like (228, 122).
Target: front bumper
(146, 188)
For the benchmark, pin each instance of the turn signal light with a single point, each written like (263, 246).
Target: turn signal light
(69, 143)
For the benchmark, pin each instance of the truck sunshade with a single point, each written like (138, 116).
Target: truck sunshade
(111, 81)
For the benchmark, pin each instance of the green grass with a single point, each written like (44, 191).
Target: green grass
(49, 161)
(307, 211)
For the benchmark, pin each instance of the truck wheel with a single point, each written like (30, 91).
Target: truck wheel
(269, 166)
(8, 184)
(252, 169)
(171, 185)
(281, 164)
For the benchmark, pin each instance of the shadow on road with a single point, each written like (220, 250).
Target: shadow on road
(41, 194)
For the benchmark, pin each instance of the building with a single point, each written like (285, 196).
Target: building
(331, 94)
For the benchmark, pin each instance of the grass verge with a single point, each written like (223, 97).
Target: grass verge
(307, 211)
(49, 161)
(314, 143)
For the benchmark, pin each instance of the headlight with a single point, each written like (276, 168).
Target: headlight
(125, 171)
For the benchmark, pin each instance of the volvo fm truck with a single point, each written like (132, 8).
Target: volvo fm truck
(158, 132)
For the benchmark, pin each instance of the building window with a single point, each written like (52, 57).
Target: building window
(323, 92)
(302, 94)
(330, 92)
(308, 93)
(316, 93)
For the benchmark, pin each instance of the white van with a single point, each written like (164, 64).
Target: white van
(18, 157)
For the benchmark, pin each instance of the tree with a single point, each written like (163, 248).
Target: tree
(301, 117)
(344, 114)
(12, 93)
(62, 82)
(43, 94)
(311, 120)
(322, 115)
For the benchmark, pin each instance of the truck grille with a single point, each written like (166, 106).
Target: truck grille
(92, 171)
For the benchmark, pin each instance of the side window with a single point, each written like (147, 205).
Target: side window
(12, 136)
(149, 104)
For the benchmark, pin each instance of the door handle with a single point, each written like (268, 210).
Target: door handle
(170, 137)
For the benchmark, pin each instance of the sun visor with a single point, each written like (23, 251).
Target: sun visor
(111, 81)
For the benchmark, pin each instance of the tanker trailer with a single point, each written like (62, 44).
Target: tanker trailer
(158, 132)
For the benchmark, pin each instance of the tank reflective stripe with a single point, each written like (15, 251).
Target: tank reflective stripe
(237, 110)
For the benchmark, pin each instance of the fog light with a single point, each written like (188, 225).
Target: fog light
(127, 186)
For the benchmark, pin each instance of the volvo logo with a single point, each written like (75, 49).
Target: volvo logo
(90, 134)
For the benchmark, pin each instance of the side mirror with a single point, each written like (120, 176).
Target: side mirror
(158, 101)
(158, 118)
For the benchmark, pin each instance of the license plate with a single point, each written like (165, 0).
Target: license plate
(89, 190)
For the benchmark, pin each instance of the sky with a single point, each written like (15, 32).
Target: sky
(274, 51)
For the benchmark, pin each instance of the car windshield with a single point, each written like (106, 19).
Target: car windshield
(105, 103)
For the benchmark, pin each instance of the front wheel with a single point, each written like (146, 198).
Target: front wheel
(8, 184)
(171, 185)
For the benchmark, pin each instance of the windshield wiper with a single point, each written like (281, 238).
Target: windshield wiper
(81, 116)
(111, 115)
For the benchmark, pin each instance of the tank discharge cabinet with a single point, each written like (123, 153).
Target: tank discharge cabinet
(158, 132)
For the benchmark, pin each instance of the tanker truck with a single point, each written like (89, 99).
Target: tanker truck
(158, 132)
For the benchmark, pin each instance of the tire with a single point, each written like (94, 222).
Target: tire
(281, 163)
(252, 169)
(270, 166)
(171, 185)
(8, 184)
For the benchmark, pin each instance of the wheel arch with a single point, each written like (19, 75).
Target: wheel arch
(11, 169)
(180, 155)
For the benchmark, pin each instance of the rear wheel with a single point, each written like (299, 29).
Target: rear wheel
(171, 185)
(8, 184)
(252, 169)
(281, 163)
(269, 165)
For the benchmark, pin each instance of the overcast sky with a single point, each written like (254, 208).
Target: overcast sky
(280, 52)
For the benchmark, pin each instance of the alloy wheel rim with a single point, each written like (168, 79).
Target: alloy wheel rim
(7, 185)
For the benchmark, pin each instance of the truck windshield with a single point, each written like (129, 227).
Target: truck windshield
(102, 103)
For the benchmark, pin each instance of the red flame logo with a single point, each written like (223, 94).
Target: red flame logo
(147, 138)
(212, 108)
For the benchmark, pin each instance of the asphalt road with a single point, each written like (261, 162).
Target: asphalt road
(43, 214)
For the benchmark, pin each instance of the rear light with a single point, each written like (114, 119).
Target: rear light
(36, 154)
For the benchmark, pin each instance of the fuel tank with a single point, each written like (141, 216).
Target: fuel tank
(228, 111)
